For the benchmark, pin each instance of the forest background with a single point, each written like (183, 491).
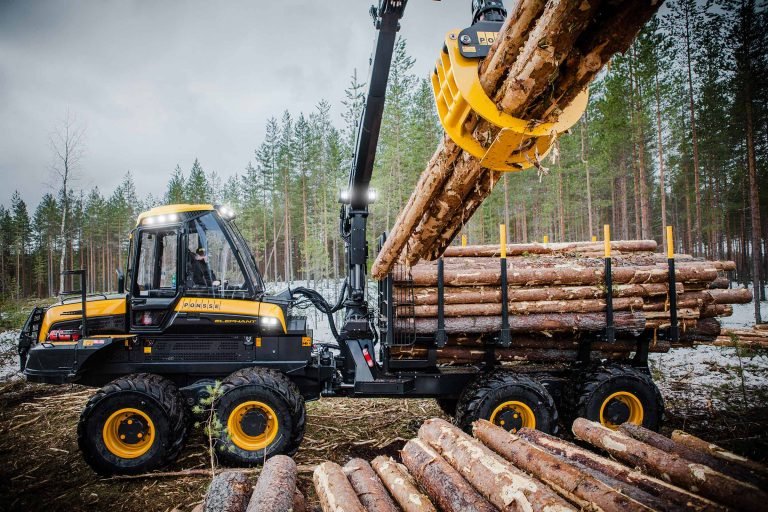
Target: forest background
(676, 133)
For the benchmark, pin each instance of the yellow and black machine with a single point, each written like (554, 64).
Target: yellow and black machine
(192, 315)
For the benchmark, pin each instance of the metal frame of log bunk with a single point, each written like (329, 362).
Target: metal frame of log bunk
(397, 324)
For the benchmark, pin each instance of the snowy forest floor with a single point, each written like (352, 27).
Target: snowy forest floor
(720, 394)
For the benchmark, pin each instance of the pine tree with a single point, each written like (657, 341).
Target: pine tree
(197, 189)
(176, 190)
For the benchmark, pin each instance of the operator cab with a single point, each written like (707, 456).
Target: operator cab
(187, 255)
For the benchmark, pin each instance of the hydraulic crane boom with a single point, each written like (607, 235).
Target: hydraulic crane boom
(357, 197)
(354, 213)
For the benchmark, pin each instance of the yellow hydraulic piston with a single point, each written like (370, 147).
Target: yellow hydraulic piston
(519, 144)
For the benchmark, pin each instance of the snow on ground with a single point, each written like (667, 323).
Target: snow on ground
(708, 378)
(9, 357)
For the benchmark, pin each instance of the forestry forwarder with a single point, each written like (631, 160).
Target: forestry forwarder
(177, 326)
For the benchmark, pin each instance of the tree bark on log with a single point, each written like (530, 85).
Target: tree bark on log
(625, 323)
(506, 487)
(554, 341)
(370, 491)
(276, 486)
(334, 490)
(299, 502)
(229, 491)
(694, 477)
(500, 57)
(670, 446)
(401, 485)
(576, 483)
(564, 248)
(427, 296)
(726, 341)
(612, 32)
(461, 355)
(544, 47)
(526, 308)
(559, 25)
(677, 498)
(698, 444)
(444, 485)
(754, 333)
(426, 275)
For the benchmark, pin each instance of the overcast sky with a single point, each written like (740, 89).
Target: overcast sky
(159, 83)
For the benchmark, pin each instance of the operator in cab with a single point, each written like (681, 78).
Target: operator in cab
(199, 273)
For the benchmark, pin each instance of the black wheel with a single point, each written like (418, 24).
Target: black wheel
(262, 414)
(509, 400)
(134, 424)
(447, 405)
(614, 395)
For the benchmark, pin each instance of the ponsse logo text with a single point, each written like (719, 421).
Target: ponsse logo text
(202, 305)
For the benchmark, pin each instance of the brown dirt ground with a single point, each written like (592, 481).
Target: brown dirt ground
(42, 470)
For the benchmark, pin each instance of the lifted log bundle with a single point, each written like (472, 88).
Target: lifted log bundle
(524, 78)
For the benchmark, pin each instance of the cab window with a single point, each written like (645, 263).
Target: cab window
(157, 264)
(212, 267)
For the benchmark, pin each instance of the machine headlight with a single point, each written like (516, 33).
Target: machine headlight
(269, 322)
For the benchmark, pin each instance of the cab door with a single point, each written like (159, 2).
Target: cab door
(155, 287)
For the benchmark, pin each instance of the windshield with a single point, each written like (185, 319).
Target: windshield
(215, 253)
(248, 259)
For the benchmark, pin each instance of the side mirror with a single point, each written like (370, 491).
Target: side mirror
(120, 281)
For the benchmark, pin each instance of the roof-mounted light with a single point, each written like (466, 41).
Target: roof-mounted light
(161, 219)
(226, 212)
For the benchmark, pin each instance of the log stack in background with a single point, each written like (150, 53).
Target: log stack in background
(546, 53)
(446, 469)
(556, 293)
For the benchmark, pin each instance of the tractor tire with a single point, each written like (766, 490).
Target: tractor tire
(134, 424)
(614, 394)
(447, 405)
(509, 400)
(261, 413)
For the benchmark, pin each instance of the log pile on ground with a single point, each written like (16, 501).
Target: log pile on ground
(275, 490)
(557, 292)
(446, 469)
(547, 52)
(755, 338)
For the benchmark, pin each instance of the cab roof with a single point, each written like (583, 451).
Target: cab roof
(174, 208)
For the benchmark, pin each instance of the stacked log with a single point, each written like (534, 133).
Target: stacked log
(524, 78)
(555, 296)
(445, 468)
(754, 338)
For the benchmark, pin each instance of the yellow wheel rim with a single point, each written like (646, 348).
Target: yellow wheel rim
(128, 433)
(252, 425)
(632, 403)
(513, 415)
